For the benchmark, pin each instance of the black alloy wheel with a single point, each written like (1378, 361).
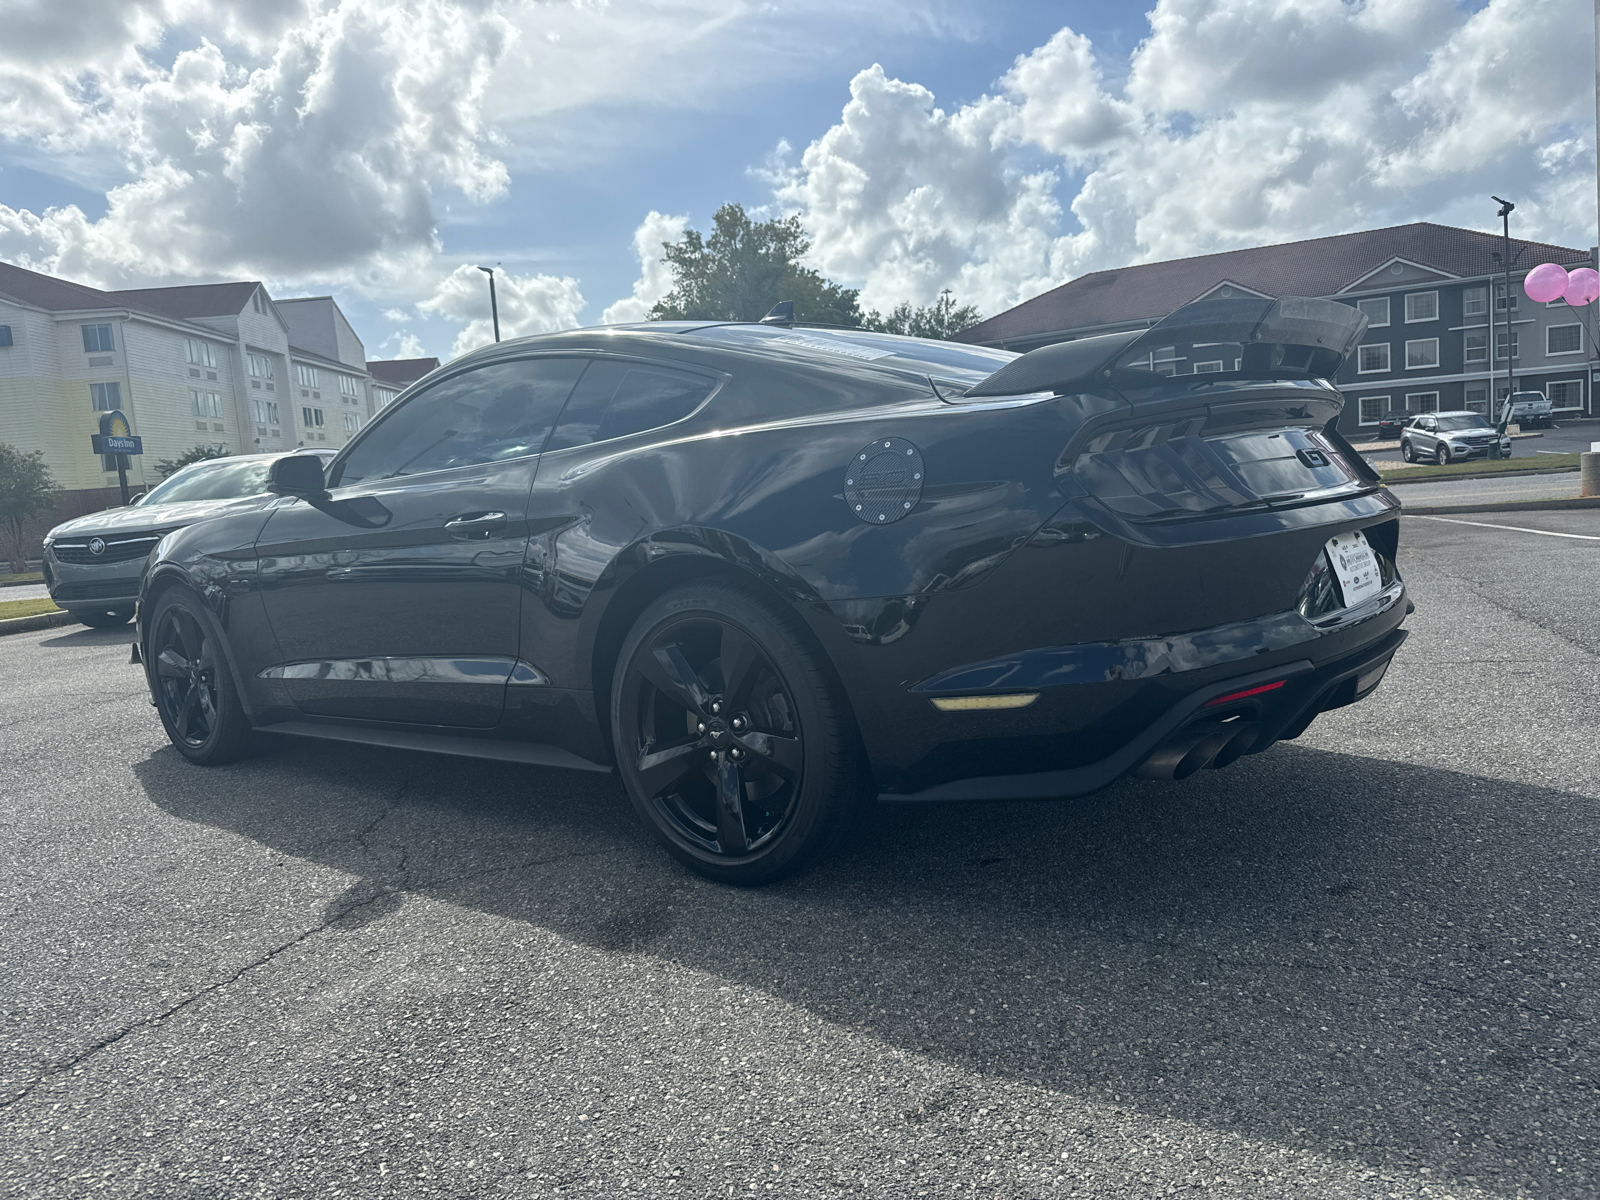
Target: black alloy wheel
(1442, 455)
(194, 692)
(102, 618)
(729, 737)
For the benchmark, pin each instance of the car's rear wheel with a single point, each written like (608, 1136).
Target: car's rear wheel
(102, 618)
(730, 737)
(194, 691)
(1442, 456)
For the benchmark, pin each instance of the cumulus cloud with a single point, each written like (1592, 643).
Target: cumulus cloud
(655, 276)
(528, 304)
(317, 163)
(1238, 124)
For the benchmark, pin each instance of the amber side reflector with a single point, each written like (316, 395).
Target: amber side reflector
(1255, 691)
(975, 703)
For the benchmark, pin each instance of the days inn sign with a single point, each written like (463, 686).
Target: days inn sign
(115, 436)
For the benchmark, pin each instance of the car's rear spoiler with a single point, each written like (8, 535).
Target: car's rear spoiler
(1290, 337)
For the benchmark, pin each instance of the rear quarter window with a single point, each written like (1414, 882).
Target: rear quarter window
(616, 398)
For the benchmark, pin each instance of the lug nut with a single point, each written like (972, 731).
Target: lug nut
(738, 722)
(700, 728)
(716, 706)
(737, 753)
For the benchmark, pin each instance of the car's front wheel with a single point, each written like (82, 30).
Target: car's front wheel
(730, 736)
(1442, 456)
(194, 690)
(1405, 452)
(102, 618)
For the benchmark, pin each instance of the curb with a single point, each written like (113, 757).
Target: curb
(1504, 506)
(37, 621)
(1479, 475)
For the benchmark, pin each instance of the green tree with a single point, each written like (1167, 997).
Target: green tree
(744, 268)
(27, 489)
(194, 454)
(941, 319)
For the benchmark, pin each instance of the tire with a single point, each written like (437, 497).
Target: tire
(717, 693)
(1405, 452)
(1442, 456)
(102, 618)
(195, 696)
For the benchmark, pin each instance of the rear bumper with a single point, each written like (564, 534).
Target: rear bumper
(1282, 713)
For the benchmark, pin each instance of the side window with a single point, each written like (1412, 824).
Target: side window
(504, 410)
(614, 399)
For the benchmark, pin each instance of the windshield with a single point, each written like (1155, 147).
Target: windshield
(1464, 421)
(218, 479)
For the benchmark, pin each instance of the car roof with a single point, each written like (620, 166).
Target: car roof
(831, 350)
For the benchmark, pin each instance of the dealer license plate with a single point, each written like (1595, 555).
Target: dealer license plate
(1355, 565)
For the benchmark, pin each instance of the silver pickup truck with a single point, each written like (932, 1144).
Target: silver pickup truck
(1531, 410)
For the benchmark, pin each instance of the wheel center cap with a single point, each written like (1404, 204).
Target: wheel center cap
(717, 732)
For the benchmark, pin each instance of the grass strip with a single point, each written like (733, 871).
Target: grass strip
(1485, 466)
(26, 608)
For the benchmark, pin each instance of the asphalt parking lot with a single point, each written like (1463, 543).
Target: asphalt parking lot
(1362, 964)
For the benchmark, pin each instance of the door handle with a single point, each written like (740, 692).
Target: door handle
(470, 526)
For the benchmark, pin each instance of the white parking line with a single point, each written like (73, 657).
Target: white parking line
(1583, 537)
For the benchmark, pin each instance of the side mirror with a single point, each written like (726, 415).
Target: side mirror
(297, 475)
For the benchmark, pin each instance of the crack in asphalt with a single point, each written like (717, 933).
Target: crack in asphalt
(210, 989)
(1478, 590)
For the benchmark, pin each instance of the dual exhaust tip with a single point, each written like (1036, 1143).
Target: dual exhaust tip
(1208, 744)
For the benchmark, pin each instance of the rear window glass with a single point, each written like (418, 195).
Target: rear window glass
(947, 360)
(614, 399)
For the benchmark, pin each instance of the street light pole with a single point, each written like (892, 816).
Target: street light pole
(1504, 214)
(494, 306)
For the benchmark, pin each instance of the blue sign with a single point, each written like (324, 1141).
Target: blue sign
(116, 436)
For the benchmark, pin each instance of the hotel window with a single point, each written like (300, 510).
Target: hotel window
(1474, 302)
(1500, 297)
(1563, 339)
(1207, 367)
(311, 418)
(306, 375)
(198, 354)
(1373, 408)
(260, 366)
(264, 412)
(1373, 358)
(1567, 393)
(1422, 306)
(1377, 311)
(1478, 397)
(351, 422)
(1500, 343)
(97, 339)
(5, 335)
(1166, 360)
(206, 404)
(1421, 402)
(103, 397)
(347, 385)
(1475, 348)
(382, 397)
(1421, 353)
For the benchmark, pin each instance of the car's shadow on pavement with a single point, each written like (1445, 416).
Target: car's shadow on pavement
(82, 635)
(1368, 959)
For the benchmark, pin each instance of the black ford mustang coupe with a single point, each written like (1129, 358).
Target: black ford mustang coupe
(764, 572)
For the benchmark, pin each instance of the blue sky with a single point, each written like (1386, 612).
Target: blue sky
(379, 149)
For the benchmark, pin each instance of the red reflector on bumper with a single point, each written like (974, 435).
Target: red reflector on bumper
(1255, 691)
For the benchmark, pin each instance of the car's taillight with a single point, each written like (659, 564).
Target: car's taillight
(1255, 691)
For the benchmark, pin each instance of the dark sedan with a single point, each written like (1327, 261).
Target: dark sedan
(1392, 422)
(766, 573)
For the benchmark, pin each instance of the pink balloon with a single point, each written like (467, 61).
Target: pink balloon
(1545, 283)
(1583, 287)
